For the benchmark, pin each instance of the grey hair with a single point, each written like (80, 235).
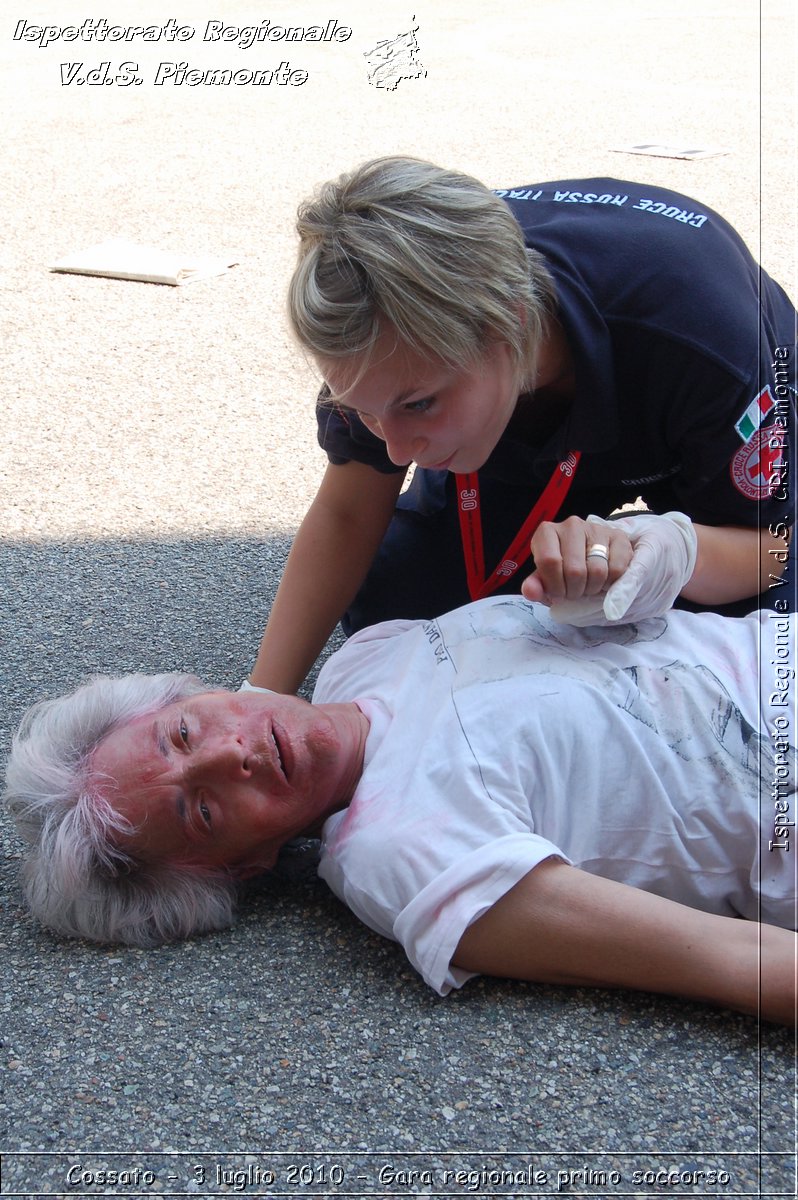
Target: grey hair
(77, 880)
(434, 254)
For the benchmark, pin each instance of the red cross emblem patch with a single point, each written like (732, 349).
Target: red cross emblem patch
(757, 467)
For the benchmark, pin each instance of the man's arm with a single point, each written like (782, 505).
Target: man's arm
(562, 925)
(331, 554)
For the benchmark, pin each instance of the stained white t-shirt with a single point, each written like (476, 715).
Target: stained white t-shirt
(499, 738)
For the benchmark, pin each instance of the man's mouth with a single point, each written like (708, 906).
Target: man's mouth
(278, 746)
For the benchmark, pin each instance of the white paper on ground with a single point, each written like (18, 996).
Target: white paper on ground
(120, 259)
(658, 150)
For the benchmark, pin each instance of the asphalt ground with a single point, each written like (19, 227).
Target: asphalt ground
(158, 451)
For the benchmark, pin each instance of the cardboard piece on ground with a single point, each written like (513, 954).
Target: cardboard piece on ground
(120, 259)
(658, 150)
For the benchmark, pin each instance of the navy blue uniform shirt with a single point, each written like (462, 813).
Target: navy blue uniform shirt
(685, 364)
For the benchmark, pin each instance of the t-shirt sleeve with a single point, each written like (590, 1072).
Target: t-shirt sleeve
(740, 477)
(430, 926)
(732, 439)
(703, 346)
(344, 438)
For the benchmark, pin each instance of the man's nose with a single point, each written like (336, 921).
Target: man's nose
(225, 756)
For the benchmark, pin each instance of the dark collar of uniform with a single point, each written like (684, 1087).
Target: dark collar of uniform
(591, 424)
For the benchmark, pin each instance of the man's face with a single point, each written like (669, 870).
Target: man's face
(226, 778)
(427, 412)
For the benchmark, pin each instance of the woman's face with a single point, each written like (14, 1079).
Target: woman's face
(226, 778)
(427, 412)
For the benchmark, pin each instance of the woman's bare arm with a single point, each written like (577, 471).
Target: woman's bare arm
(733, 564)
(329, 559)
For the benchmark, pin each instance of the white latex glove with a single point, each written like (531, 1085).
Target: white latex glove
(664, 548)
(246, 686)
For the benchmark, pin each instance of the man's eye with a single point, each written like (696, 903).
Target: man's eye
(183, 731)
(205, 813)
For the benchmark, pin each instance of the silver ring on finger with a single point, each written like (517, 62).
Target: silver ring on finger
(598, 550)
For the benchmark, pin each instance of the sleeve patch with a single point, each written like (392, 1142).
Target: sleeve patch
(759, 408)
(758, 467)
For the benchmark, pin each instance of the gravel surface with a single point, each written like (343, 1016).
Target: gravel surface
(157, 455)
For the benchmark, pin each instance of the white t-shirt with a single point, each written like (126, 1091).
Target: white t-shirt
(500, 738)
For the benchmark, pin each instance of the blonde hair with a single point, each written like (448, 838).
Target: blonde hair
(432, 254)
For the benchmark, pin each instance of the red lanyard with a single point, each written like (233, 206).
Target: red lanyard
(546, 508)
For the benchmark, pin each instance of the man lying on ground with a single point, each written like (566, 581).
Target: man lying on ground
(500, 793)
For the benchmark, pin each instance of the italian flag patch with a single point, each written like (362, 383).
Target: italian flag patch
(755, 414)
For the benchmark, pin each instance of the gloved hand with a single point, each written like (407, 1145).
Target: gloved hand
(664, 558)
